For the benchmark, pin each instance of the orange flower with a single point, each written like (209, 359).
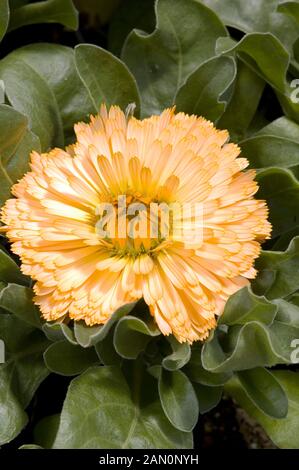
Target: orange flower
(52, 222)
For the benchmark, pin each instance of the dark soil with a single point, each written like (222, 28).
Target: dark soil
(229, 427)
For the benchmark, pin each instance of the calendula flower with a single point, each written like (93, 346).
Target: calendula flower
(53, 222)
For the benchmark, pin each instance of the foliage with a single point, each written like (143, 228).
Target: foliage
(232, 62)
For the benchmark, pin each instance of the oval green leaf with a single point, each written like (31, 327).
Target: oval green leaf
(265, 391)
(106, 78)
(178, 399)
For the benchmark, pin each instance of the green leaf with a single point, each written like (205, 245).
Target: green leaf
(179, 357)
(291, 9)
(64, 358)
(57, 331)
(288, 312)
(18, 300)
(101, 412)
(10, 271)
(265, 54)
(240, 110)
(202, 92)
(47, 11)
(56, 66)
(24, 346)
(45, 431)
(155, 371)
(13, 417)
(245, 306)
(16, 142)
(132, 335)
(178, 399)
(283, 432)
(296, 51)
(207, 397)
(198, 374)
(281, 127)
(269, 150)
(38, 103)
(289, 106)
(4, 17)
(106, 351)
(30, 446)
(287, 130)
(247, 346)
(131, 14)
(294, 298)
(184, 38)
(265, 391)
(53, 331)
(20, 375)
(284, 335)
(228, 350)
(106, 78)
(280, 189)
(13, 129)
(17, 164)
(255, 15)
(285, 266)
(88, 336)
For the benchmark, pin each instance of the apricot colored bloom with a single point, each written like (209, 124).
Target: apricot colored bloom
(168, 158)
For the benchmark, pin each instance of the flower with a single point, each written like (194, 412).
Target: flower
(171, 158)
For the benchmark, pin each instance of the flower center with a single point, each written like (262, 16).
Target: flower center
(133, 224)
